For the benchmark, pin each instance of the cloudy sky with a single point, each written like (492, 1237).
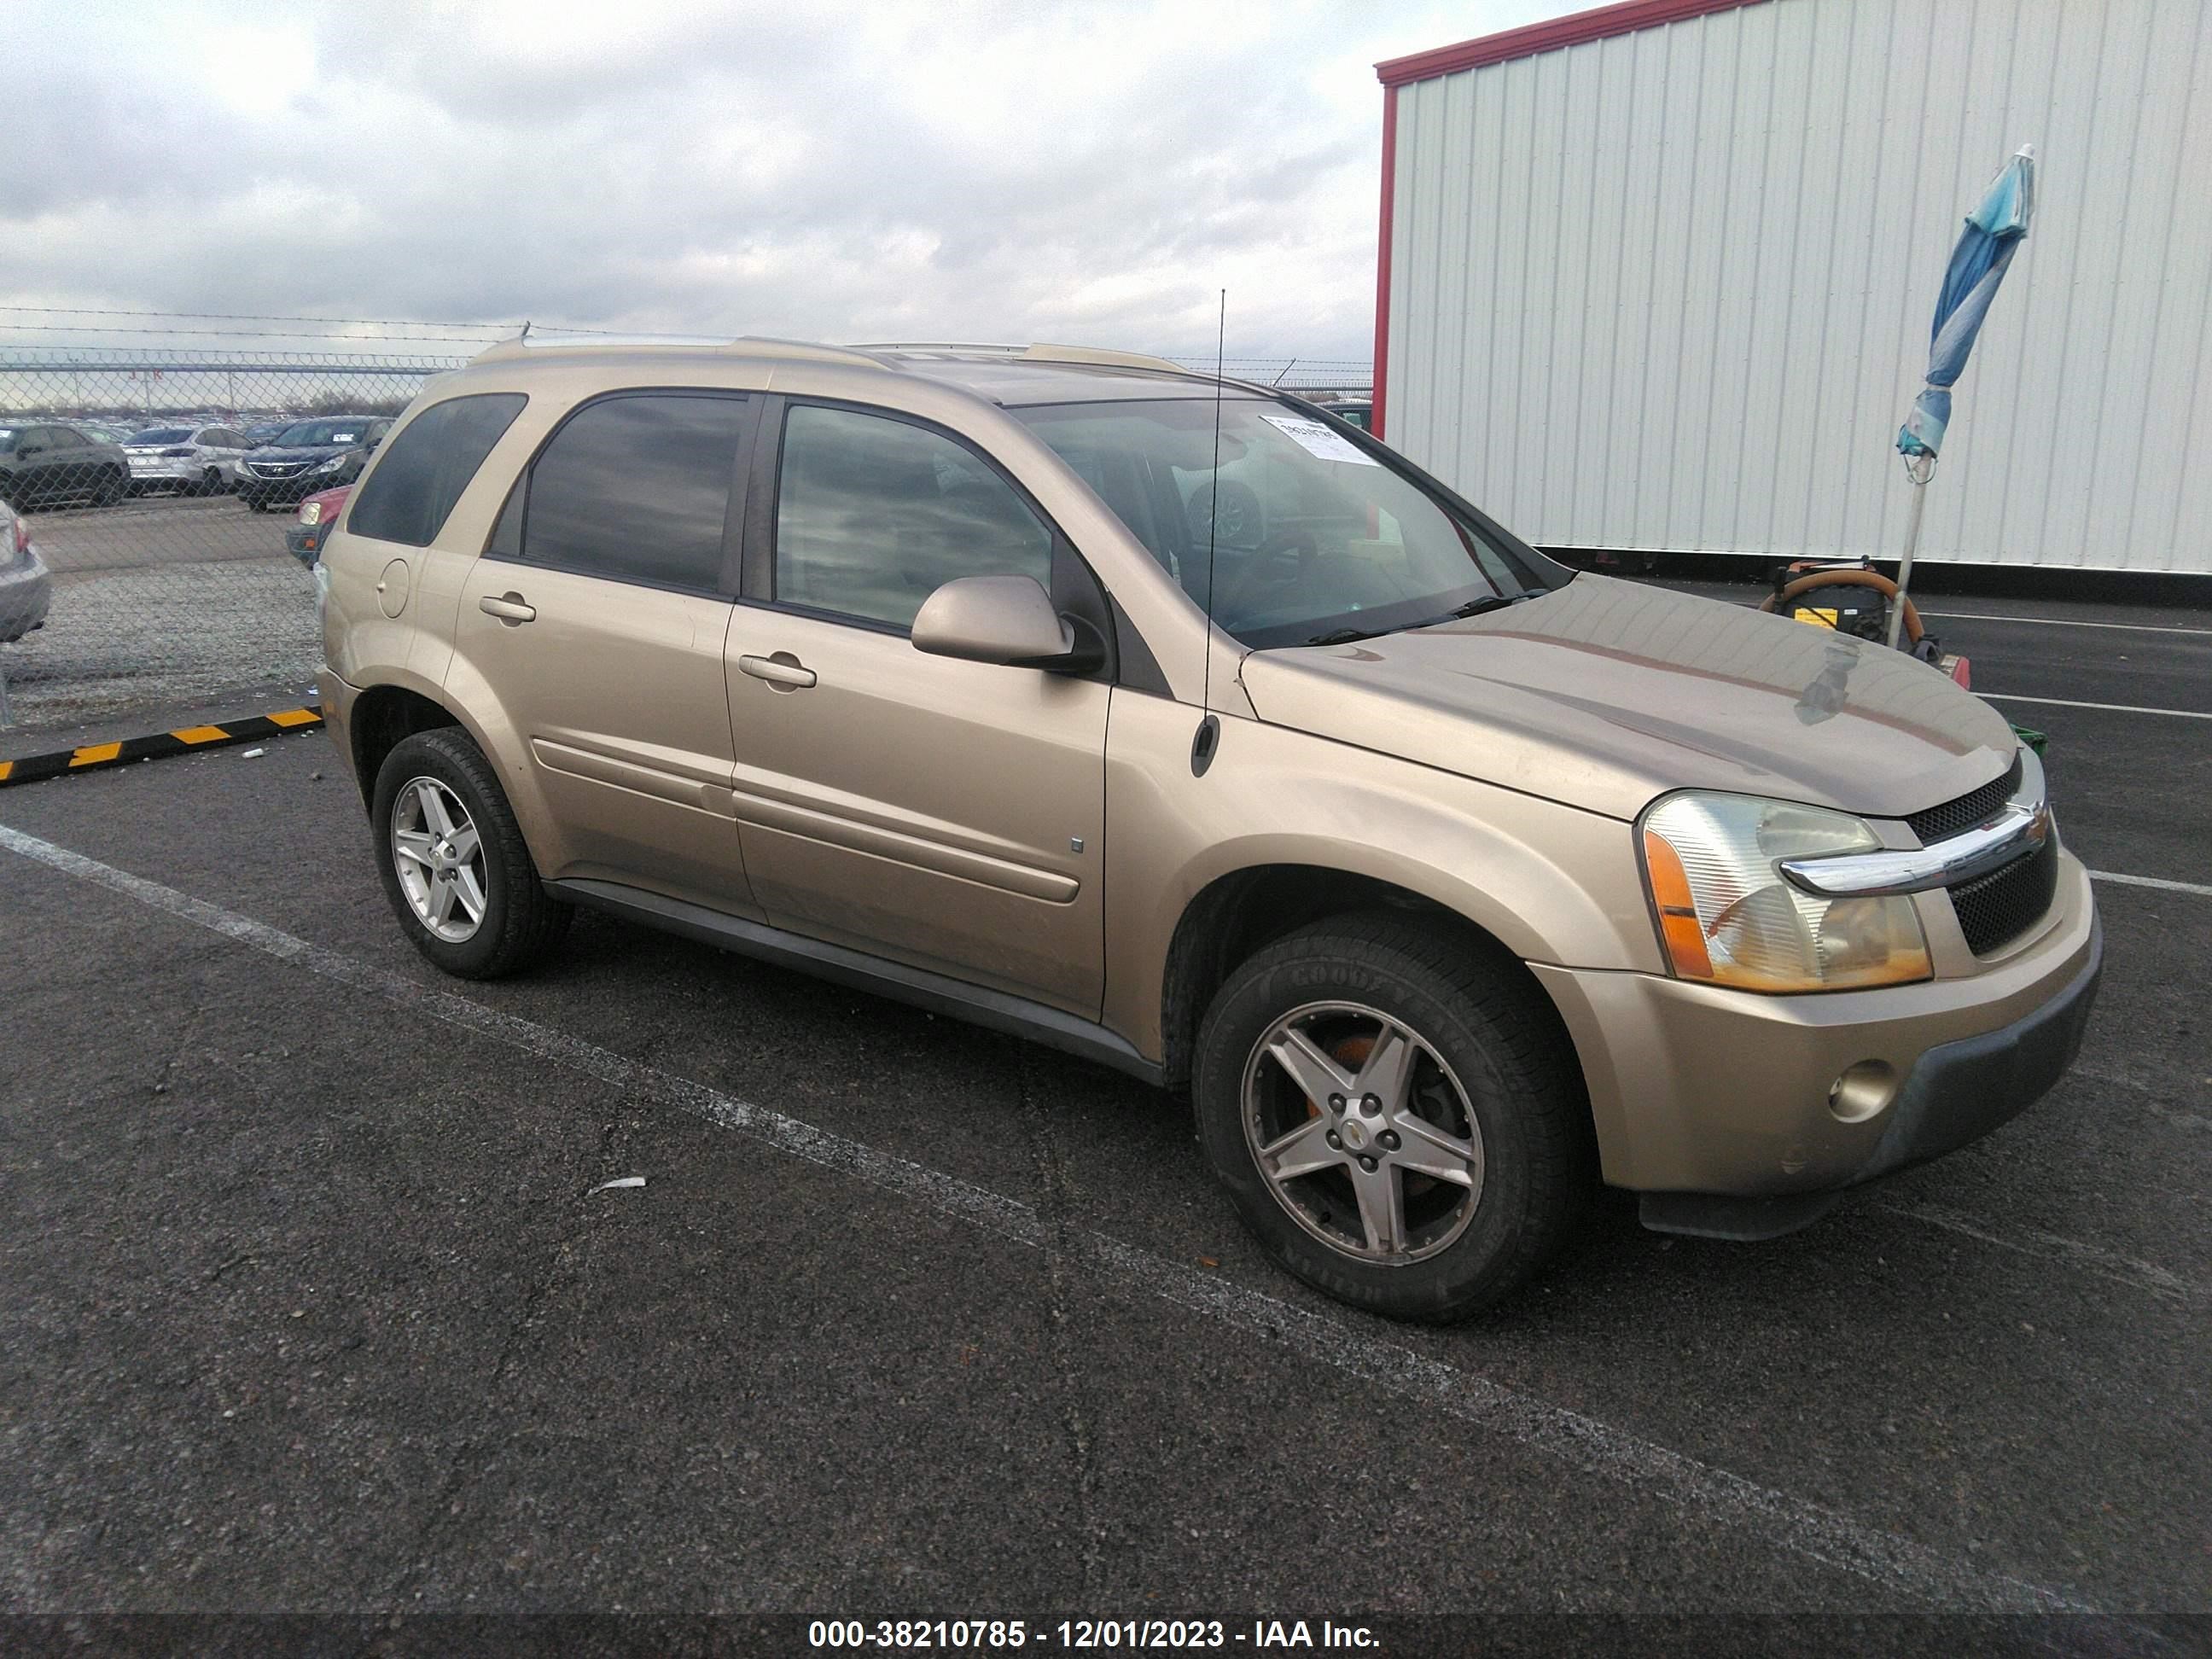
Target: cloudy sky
(1065, 171)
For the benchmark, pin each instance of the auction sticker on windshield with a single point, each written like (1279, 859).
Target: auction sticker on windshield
(1317, 439)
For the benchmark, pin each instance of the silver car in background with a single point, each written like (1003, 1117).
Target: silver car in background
(25, 588)
(190, 460)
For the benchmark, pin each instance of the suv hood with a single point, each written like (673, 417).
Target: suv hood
(1604, 694)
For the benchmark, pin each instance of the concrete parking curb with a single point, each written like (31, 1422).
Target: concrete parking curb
(185, 740)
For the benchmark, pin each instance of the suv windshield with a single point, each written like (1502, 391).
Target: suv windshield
(321, 434)
(1317, 539)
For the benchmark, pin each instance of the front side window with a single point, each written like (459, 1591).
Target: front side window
(1315, 538)
(637, 488)
(422, 473)
(874, 515)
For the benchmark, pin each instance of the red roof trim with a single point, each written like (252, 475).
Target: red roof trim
(1382, 259)
(1624, 19)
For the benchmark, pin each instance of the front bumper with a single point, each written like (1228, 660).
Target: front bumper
(1706, 1096)
(295, 488)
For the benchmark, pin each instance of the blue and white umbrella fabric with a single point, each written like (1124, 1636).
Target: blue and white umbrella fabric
(1995, 230)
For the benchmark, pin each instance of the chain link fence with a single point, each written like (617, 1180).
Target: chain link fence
(147, 567)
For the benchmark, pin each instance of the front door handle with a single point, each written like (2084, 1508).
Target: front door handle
(782, 669)
(507, 607)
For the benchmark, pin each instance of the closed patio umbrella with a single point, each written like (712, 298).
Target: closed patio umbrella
(1993, 233)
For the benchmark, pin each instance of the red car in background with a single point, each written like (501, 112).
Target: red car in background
(311, 525)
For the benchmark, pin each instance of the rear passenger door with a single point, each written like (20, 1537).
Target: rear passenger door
(595, 622)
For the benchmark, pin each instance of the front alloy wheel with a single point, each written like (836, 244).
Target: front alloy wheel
(1396, 1109)
(439, 858)
(1362, 1132)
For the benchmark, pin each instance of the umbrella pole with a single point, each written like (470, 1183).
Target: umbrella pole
(1919, 474)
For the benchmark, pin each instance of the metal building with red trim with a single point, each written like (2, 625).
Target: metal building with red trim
(1659, 275)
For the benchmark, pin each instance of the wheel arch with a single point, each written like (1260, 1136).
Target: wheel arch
(1243, 910)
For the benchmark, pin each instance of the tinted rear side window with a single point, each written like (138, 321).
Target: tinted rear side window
(424, 471)
(637, 488)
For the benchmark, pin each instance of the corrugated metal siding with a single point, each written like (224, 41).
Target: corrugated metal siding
(1671, 289)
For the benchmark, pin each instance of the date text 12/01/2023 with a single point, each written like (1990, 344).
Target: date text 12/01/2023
(1082, 1635)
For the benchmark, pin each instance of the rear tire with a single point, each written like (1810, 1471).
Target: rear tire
(1489, 1087)
(112, 488)
(438, 775)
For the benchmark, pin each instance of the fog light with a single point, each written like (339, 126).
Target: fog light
(1863, 1091)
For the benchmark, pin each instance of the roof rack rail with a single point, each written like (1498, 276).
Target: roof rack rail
(996, 347)
(1041, 353)
(752, 345)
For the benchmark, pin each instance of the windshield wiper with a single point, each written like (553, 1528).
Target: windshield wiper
(1344, 636)
(1482, 606)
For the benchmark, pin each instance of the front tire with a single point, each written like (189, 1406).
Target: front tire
(1397, 1116)
(454, 865)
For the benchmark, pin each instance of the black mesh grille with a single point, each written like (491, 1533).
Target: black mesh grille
(1995, 910)
(1940, 823)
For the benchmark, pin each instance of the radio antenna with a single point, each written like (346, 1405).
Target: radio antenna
(1209, 729)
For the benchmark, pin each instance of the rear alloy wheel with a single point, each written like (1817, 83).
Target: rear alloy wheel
(439, 858)
(1398, 1117)
(112, 488)
(454, 865)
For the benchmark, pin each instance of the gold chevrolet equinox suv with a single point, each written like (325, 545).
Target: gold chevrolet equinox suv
(1179, 725)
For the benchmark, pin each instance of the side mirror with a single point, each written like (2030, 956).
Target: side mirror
(1008, 620)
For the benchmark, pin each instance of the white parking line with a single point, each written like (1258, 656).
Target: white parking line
(2065, 622)
(2109, 707)
(1711, 1494)
(2197, 887)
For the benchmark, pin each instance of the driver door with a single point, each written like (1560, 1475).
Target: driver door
(944, 813)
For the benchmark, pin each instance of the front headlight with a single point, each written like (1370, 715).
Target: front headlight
(334, 463)
(1728, 915)
(311, 512)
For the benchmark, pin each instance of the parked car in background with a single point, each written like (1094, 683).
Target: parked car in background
(25, 588)
(308, 457)
(1360, 412)
(187, 460)
(50, 463)
(265, 431)
(312, 525)
(106, 431)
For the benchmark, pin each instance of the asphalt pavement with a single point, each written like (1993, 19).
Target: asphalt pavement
(313, 1305)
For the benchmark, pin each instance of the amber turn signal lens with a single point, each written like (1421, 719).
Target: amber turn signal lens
(1678, 909)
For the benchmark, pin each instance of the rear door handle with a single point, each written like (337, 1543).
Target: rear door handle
(507, 607)
(782, 669)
